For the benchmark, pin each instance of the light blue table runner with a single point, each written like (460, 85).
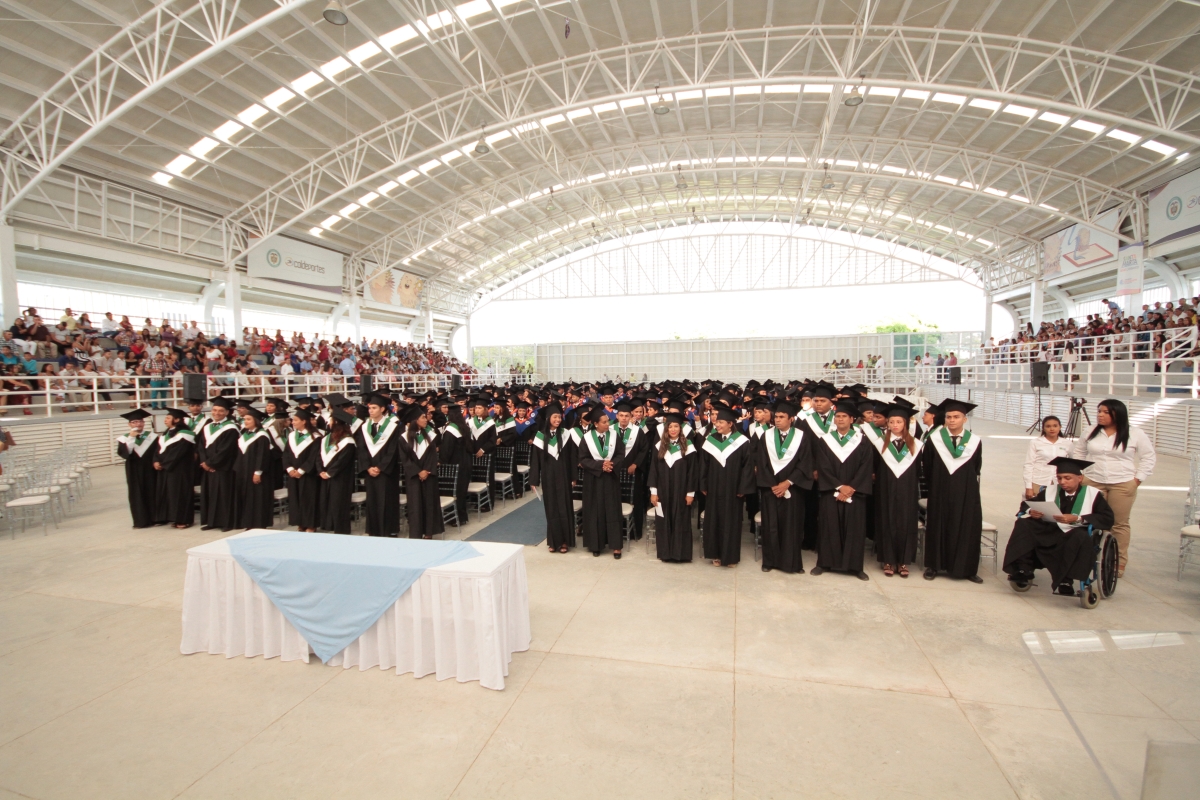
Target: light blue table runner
(333, 588)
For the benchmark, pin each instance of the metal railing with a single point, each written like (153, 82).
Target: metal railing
(48, 395)
(1134, 345)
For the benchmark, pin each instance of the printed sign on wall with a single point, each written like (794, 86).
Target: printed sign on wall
(298, 263)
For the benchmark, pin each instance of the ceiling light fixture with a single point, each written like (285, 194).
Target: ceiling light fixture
(481, 148)
(855, 98)
(680, 183)
(550, 204)
(334, 14)
(827, 182)
(661, 107)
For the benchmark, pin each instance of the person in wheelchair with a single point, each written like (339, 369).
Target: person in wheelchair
(1063, 544)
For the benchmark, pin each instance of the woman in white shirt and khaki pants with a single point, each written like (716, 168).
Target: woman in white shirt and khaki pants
(1122, 458)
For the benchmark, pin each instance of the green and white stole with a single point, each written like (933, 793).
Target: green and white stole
(384, 430)
(451, 429)
(953, 457)
(820, 426)
(781, 449)
(174, 435)
(843, 446)
(758, 429)
(898, 457)
(674, 453)
(601, 447)
(329, 451)
(874, 435)
(215, 429)
(299, 442)
(138, 445)
(247, 438)
(549, 444)
(1085, 498)
(478, 428)
(722, 450)
(628, 435)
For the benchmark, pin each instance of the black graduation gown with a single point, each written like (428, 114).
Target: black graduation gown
(672, 481)
(278, 429)
(506, 431)
(141, 479)
(842, 527)
(602, 521)
(782, 528)
(954, 516)
(254, 500)
(1041, 543)
(196, 426)
(424, 501)
(812, 500)
(636, 446)
(754, 431)
(175, 452)
(722, 482)
(218, 492)
(454, 449)
(339, 463)
(552, 467)
(304, 493)
(484, 437)
(895, 505)
(383, 490)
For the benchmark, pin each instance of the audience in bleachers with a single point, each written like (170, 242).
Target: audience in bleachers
(117, 356)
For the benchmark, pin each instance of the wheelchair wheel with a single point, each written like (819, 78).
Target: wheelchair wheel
(1110, 561)
(1089, 596)
(1017, 587)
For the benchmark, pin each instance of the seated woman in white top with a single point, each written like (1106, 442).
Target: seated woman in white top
(1122, 458)
(1042, 450)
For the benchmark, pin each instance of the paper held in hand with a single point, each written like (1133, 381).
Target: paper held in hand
(1047, 509)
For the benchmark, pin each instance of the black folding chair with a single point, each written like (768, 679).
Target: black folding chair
(504, 480)
(447, 482)
(523, 453)
(478, 490)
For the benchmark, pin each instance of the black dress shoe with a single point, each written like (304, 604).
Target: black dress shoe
(977, 579)
(1065, 589)
(766, 568)
(800, 571)
(206, 527)
(930, 574)
(617, 556)
(815, 571)
(597, 555)
(862, 576)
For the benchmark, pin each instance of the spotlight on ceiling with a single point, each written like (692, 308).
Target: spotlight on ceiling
(827, 182)
(680, 183)
(661, 107)
(481, 147)
(855, 98)
(550, 202)
(334, 14)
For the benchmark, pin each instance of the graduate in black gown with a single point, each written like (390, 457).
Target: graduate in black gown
(897, 489)
(634, 445)
(196, 422)
(455, 448)
(419, 463)
(217, 450)
(301, 460)
(337, 471)
(1063, 545)
(819, 421)
(784, 471)
(277, 425)
(673, 478)
(953, 459)
(601, 458)
(552, 467)
(174, 461)
(754, 427)
(251, 470)
(137, 449)
(379, 464)
(844, 466)
(484, 438)
(726, 477)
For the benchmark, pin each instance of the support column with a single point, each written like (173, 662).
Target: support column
(429, 324)
(356, 318)
(470, 359)
(335, 316)
(10, 306)
(1036, 302)
(233, 302)
(987, 317)
(209, 298)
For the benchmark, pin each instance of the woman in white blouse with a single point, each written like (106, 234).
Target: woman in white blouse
(1042, 450)
(1122, 458)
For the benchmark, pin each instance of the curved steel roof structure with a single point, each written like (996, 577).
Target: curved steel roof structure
(471, 142)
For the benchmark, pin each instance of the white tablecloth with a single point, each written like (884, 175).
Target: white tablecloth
(463, 620)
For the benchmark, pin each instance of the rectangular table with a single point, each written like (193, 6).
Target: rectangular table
(463, 620)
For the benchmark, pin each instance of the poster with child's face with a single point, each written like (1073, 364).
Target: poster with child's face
(395, 288)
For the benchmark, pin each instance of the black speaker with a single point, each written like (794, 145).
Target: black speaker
(456, 382)
(955, 376)
(1039, 374)
(368, 384)
(195, 387)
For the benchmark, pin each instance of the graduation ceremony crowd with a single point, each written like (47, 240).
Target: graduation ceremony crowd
(808, 465)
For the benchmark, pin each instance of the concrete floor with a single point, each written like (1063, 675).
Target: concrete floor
(643, 680)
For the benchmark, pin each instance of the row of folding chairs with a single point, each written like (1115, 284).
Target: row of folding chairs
(42, 487)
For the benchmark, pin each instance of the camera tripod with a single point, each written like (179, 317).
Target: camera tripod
(1078, 407)
(1036, 427)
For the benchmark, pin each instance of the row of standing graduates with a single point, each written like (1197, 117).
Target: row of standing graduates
(794, 489)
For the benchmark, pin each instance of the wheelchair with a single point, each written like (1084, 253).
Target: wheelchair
(1101, 583)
